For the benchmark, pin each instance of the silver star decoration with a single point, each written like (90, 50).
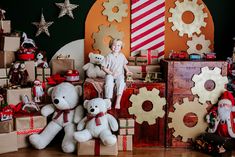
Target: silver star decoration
(66, 8)
(42, 26)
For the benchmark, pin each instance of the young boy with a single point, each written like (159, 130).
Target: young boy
(114, 65)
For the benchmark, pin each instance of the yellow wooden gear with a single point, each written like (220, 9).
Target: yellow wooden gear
(105, 31)
(200, 80)
(139, 99)
(180, 25)
(121, 10)
(178, 115)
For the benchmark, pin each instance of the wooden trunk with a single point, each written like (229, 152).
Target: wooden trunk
(178, 75)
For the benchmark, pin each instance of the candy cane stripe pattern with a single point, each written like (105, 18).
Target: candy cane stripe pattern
(147, 25)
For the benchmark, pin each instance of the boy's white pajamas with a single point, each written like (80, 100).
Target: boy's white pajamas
(116, 65)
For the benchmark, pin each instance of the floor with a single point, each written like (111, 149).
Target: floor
(137, 152)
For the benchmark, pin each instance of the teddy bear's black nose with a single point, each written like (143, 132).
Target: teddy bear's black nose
(92, 110)
(56, 101)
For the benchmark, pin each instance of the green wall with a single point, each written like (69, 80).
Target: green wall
(65, 29)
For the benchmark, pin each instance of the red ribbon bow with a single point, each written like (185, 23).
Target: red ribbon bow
(97, 119)
(65, 114)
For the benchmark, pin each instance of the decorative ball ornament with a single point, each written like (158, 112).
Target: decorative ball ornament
(42, 26)
(115, 15)
(154, 113)
(66, 8)
(178, 119)
(192, 44)
(180, 25)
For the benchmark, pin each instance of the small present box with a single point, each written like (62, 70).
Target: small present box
(139, 72)
(8, 142)
(126, 131)
(3, 73)
(60, 66)
(6, 126)
(6, 26)
(151, 55)
(4, 82)
(14, 96)
(95, 147)
(141, 61)
(9, 43)
(6, 58)
(126, 122)
(42, 73)
(131, 60)
(125, 142)
(26, 126)
(30, 66)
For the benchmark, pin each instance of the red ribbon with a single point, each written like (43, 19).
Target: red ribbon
(65, 114)
(124, 143)
(97, 119)
(30, 131)
(149, 56)
(144, 70)
(97, 147)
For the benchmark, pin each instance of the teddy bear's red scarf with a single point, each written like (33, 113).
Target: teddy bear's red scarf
(97, 119)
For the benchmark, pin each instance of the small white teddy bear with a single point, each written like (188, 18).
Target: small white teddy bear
(98, 123)
(93, 68)
(65, 98)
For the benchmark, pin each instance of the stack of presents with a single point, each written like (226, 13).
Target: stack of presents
(164, 103)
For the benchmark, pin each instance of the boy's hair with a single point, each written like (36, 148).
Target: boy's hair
(114, 41)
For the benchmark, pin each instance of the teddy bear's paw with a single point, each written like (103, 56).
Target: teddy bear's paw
(110, 140)
(68, 147)
(36, 141)
(80, 137)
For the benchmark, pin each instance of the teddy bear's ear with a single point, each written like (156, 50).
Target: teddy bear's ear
(85, 103)
(79, 90)
(108, 103)
(49, 91)
(90, 54)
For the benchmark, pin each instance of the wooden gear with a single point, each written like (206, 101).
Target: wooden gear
(206, 75)
(105, 31)
(178, 115)
(192, 44)
(139, 99)
(180, 25)
(121, 11)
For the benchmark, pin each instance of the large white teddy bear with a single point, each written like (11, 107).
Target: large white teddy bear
(98, 123)
(93, 69)
(67, 112)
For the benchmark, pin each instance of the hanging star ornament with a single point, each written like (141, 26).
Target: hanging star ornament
(42, 26)
(66, 8)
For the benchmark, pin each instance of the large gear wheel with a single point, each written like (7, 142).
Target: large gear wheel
(180, 25)
(200, 81)
(139, 99)
(198, 41)
(178, 119)
(121, 10)
(105, 31)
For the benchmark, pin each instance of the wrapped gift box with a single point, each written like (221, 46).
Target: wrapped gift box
(125, 143)
(3, 77)
(8, 142)
(42, 73)
(95, 147)
(6, 126)
(6, 26)
(61, 65)
(141, 61)
(126, 131)
(6, 58)
(151, 55)
(126, 122)
(139, 72)
(14, 96)
(131, 60)
(30, 66)
(9, 43)
(26, 126)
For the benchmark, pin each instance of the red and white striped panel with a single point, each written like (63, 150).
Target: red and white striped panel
(147, 25)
